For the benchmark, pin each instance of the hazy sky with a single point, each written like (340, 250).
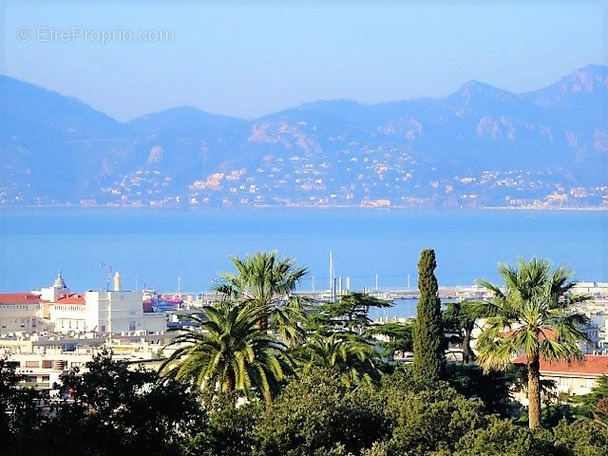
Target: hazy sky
(251, 58)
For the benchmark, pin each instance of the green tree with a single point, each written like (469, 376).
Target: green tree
(351, 356)
(424, 420)
(266, 282)
(116, 408)
(503, 438)
(493, 388)
(580, 439)
(460, 318)
(429, 355)
(351, 311)
(19, 412)
(397, 337)
(231, 424)
(593, 407)
(318, 415)
(228, 350)
(599, 392)
(533, 316)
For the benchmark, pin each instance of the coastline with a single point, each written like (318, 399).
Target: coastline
(261, 207)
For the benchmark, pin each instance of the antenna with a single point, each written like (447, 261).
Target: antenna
(109, 276)
(331, 273)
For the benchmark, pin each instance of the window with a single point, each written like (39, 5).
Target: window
(132, 325)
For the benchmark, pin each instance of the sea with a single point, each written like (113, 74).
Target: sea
(187, 250)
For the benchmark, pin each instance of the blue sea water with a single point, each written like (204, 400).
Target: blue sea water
(167, 249)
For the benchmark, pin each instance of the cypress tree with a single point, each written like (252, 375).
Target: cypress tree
(429, 356)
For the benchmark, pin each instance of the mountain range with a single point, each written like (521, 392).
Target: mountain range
(481, 146)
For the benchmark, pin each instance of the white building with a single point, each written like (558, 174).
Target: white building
(43, 359)
(21, 312)
(571, 378)
(120, 312)
(598, 290)
(57, 309)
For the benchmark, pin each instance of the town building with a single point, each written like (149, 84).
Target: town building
(57, 309)
(570, 377)
(21, 312)
(41, 360)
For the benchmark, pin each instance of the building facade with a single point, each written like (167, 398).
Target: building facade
(21, 312)
(572, 378)
(57, 309)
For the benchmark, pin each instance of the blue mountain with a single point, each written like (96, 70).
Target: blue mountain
(476, 147)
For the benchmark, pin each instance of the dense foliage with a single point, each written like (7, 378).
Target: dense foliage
(232, 389)
(116, 409)
(228, 350)
(429, 359)
(110, 409)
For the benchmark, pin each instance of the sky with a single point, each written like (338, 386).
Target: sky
(247, 59)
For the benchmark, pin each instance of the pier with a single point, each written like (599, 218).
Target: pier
(391, 294)
(597, 290)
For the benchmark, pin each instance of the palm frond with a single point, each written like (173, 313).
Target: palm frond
(226, 347)
(532, 316)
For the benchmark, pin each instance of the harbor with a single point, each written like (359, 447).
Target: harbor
(598, 291)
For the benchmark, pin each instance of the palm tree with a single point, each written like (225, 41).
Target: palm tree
(227, 351)
(533, 316)
(267, 283)
(348, 354)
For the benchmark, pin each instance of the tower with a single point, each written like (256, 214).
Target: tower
(57, 289)
(117, 281)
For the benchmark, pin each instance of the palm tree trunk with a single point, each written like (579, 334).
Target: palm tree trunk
(534, 392)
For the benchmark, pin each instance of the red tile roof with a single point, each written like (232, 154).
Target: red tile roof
(71, 299)
(19, 298)
(593, 365)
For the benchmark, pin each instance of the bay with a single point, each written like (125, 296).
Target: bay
(186, 249)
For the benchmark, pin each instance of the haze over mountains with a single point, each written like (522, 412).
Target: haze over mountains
(481, 146)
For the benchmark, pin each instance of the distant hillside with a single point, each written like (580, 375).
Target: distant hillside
(481, 146)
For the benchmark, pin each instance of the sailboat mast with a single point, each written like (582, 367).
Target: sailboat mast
(331, 275)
